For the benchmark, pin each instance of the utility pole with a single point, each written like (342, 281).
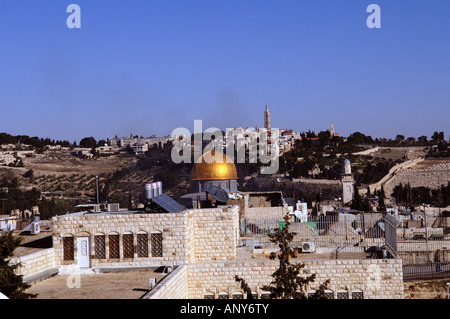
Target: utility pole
(426, 229)
(96, 182)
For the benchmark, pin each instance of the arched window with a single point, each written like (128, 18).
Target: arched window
(357, 294)
(142, 244)
(311, 294)
(265, 295)
(223, 295)
(342, 294)
(157, 244)
(237, 295)
(68, 248)
(209, 295)
(128, 245)
(329, 294)
(100, 246)
(114, 252)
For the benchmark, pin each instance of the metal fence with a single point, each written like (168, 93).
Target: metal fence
(345, 231)
(425, 252)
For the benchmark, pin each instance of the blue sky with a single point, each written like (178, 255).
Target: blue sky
(148, 67)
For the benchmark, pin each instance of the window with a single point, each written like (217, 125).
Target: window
(114, 247)
(128, 246)
(209, 295)
(329, 294)
(99, 242)
(223, 295)
(312, 294)
(157, 250)
(342, 294)
(142, 245)
(238, 295)
(265, 295)
(357, 294)
(68, 248)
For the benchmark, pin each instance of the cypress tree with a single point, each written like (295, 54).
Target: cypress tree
(11, 285)
(287, 282)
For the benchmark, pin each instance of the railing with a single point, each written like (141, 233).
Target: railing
(391, 225)
(343, 231)
(425, 253)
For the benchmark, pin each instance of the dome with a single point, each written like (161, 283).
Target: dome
(204, 171)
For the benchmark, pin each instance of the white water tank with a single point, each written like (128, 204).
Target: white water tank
(159, 188)
(155, 189)
(148, 191)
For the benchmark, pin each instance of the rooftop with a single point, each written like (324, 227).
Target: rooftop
(129, 284)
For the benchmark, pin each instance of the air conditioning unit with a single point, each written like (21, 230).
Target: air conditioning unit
(35, 228)
(308, 247)
(151, 282)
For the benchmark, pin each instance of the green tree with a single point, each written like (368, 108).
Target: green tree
(88, 142)
(11, 285)
(287, 282)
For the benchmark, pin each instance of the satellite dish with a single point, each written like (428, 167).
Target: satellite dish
(278, 179)
(218, 193)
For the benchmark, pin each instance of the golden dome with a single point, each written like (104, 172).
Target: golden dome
(205, 171)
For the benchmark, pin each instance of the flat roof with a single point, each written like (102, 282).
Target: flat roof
(127, 284)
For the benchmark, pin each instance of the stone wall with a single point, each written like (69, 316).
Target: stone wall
(216, 233)
(375, 278)
(35, 263)
(275, 212)
(173, 286)
(426, 289)
(189, 236)
(171, 226)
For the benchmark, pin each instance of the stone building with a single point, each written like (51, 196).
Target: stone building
(137, 239)
(204, 248)
(348, 191)
(267, 118)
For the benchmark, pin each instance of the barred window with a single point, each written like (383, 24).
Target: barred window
(223, 295)
(342, 294)
(157, 249)
(114, 246)
(312, 294)
(357, 294)
(238, 295)
(128, 246)
(329, 294)
(68, 248)
(142, 245)
(265, 295)
(99, 242)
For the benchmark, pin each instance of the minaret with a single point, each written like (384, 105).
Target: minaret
(267, 118)
(332, 130)
(348, 191)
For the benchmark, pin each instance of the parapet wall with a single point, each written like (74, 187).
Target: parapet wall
(375, 278)
(215, 233)
(35, 263)
(173, 286)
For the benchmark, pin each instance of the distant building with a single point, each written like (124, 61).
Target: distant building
(348, 191)
(267, 118)
(6, 158)
(140, 148)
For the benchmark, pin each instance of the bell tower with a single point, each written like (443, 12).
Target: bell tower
(267, 118)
